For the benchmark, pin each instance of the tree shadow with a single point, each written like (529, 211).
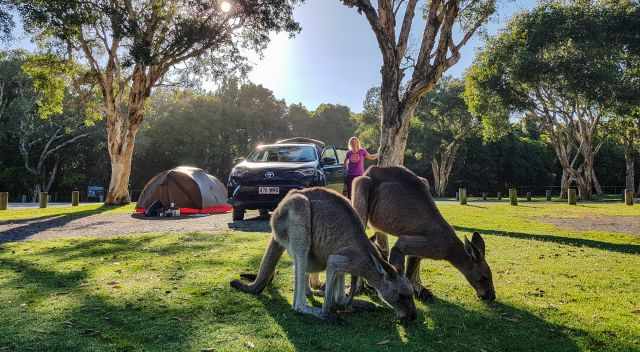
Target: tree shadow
(254, 224)
(570, 241)
(32, 226)
(440, 326)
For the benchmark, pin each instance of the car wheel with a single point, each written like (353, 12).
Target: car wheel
(264, 213)
(238, 214)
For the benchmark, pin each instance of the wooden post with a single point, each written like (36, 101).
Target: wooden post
(44, 199)
(572, 196)
(499, 195)
(462, 192)
(484, 195)
(513, 196)
(547, 194)
(75, 198)
(628, 197)
(4, 200)
(528, 196)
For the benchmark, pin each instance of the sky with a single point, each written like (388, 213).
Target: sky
(335, 58)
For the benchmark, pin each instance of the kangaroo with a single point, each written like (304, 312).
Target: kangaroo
(396, 201)
(321, 231)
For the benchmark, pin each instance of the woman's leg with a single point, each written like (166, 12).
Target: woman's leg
(348, 182)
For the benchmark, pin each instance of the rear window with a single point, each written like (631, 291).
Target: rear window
(289, 154)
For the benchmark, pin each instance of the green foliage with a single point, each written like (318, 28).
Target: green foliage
(579, 51)
(210, 131)
(51, 77)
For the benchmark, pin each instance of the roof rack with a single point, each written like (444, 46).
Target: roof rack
(318, 143)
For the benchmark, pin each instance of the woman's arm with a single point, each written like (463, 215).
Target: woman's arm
(372, 156)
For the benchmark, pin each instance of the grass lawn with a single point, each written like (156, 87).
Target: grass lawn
(82, 210)
(558, 290)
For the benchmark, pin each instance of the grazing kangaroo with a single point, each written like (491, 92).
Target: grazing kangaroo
(396, 201)
(320, 230)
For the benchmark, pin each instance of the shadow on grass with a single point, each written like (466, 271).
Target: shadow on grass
(255, 224)
(98, 319)
(93, 322)
(32, 226)
(441, 326)
(576, 242)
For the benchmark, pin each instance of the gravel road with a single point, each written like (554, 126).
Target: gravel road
(109, 225)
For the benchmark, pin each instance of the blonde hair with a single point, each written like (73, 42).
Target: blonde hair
(357, 141)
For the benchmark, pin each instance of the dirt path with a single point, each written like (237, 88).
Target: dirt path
(621, 224)
(109, 225)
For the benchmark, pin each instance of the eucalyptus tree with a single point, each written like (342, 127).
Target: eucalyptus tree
(408, 75)
(130, 47)
(39, 133)
(444, 113)
(565, 66)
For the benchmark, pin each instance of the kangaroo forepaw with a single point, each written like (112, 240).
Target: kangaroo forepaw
(239, 285)
(423, 294)
(249, 277)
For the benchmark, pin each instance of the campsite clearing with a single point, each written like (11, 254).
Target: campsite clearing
(558, 290)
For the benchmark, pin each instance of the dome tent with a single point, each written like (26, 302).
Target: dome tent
(191, 189)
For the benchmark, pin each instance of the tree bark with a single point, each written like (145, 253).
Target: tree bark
(630, 168)
(564, 184)
(393, 136)
(122, 128)
(121, 136)
(442, 165)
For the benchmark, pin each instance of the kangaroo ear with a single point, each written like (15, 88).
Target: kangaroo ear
(468, 247)
(478, 243)
(471, 250)
(384, 268)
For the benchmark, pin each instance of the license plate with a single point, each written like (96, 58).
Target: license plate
(268, 190)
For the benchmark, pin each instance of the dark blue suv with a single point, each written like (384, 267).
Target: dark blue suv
(262, 179)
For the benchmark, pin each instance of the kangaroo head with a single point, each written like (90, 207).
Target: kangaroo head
(477, 270)
(395, 290)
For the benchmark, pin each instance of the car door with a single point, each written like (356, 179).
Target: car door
(333, 168)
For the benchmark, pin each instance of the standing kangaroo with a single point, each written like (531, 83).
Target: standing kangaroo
(396, 201)
(320, 230)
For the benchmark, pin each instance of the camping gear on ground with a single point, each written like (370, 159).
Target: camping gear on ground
(183, 191)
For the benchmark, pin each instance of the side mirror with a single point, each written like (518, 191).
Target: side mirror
(329, 161)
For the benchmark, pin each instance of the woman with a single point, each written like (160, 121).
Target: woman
(354, 163)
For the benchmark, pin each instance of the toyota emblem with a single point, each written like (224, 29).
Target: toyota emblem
(269, 174)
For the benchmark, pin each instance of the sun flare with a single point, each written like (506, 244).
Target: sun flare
(225, 6)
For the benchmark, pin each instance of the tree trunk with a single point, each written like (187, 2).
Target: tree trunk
(122, 129)
(564, 184)
(630, 166)
(121, 136)
(393, 136)
(442, 165)
(596, 184)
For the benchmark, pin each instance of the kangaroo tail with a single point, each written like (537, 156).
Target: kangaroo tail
(265, 274)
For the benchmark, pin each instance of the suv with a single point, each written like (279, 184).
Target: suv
(262, 179)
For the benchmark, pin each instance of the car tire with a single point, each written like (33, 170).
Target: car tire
(238, 214)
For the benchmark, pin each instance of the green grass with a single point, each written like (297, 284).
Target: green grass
(79, 211)
(558, 290)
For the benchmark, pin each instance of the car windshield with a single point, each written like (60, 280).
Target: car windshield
(283, 154)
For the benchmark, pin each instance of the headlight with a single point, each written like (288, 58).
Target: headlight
(307, 172)
(238, 172)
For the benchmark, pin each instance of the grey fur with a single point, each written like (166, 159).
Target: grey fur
(321, 231)
(396, 201)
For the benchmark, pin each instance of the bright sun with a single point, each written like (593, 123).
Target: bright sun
(225, 6)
